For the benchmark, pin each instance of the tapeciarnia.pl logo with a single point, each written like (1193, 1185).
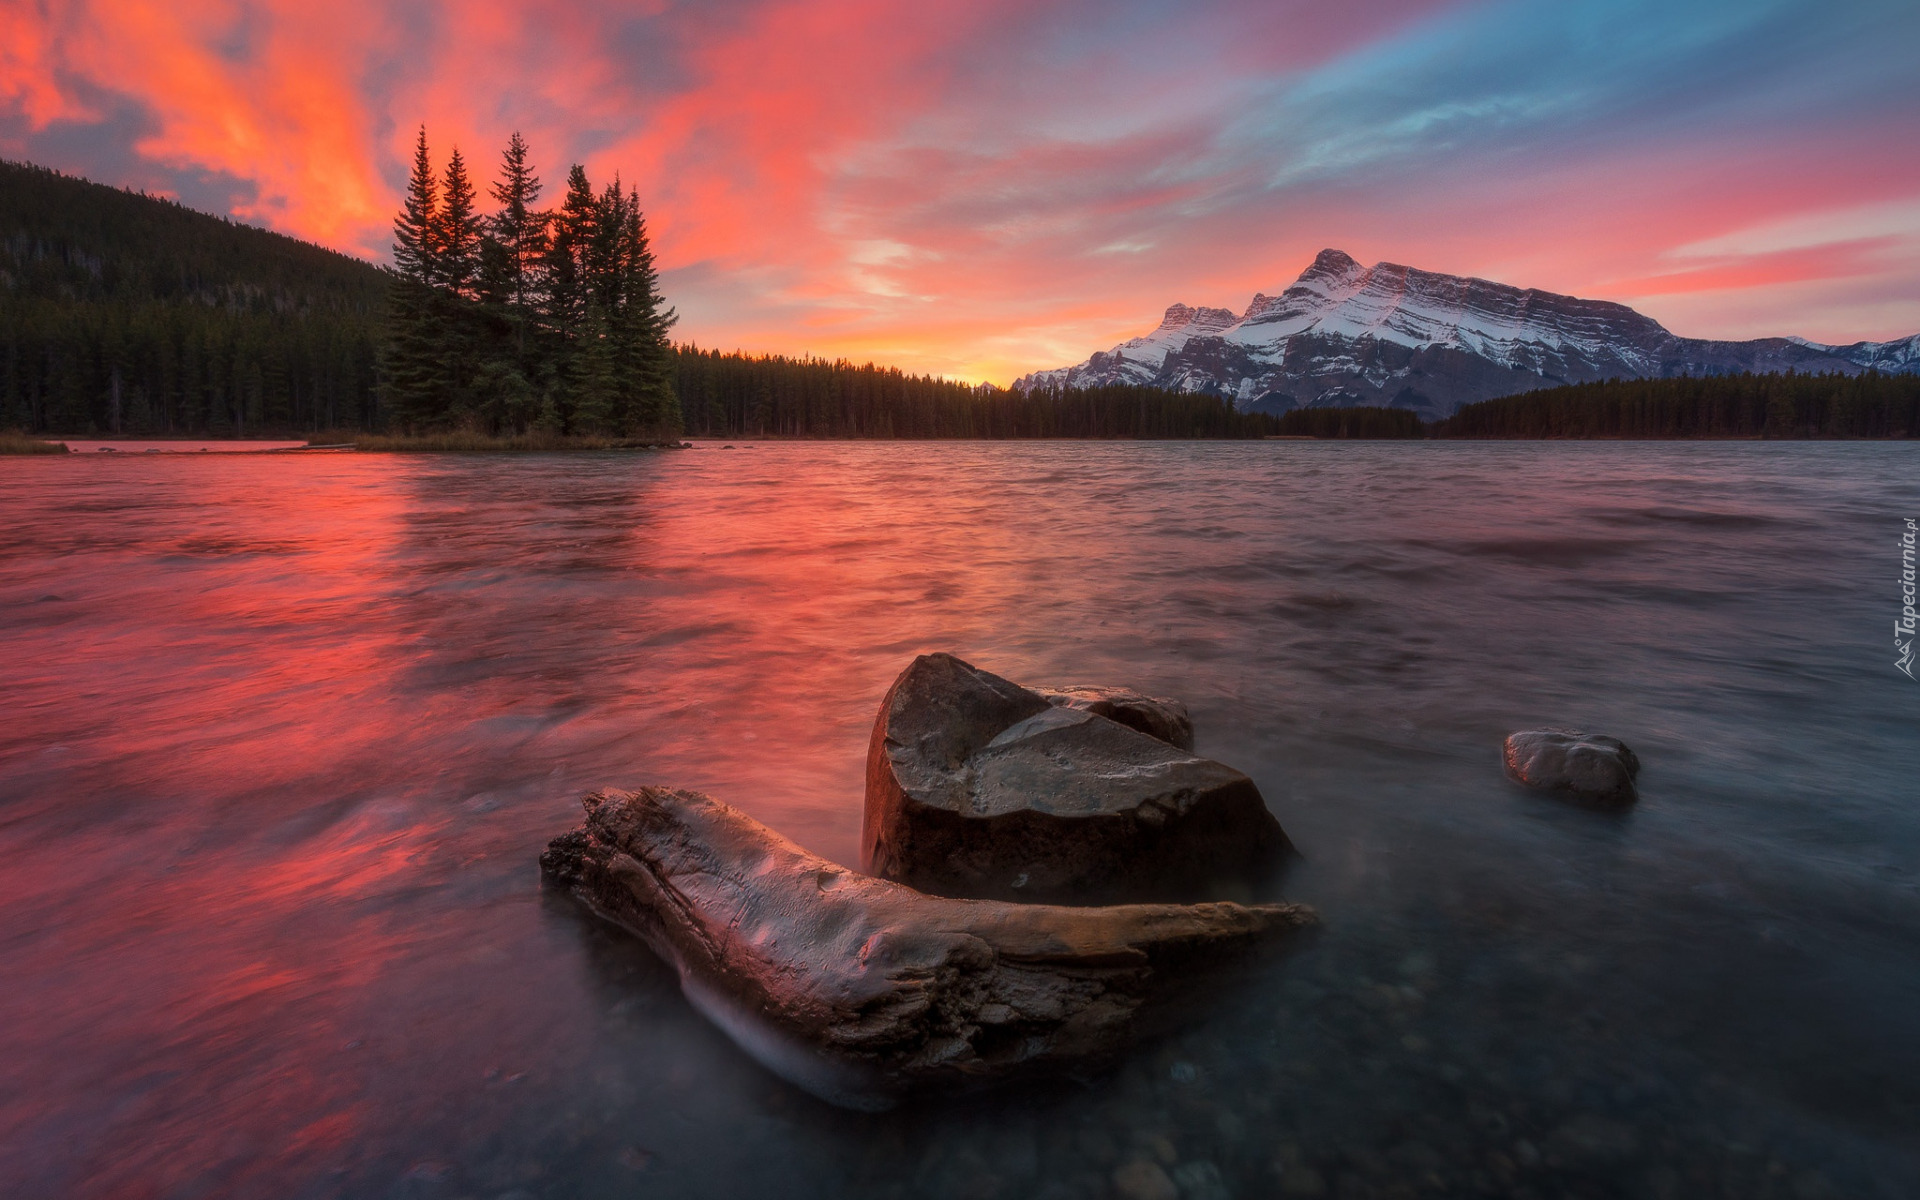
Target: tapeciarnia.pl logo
(1903, 628)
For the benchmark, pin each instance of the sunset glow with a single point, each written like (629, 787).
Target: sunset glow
(985, 189)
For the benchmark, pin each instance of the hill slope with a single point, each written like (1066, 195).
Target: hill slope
(121, 312)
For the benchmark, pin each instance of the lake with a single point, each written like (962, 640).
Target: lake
(284, 735)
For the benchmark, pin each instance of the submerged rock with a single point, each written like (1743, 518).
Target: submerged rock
(1587, 767)
(861, 990)
(1159, 718)
(979, 787)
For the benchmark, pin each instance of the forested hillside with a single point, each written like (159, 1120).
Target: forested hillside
(733, 395)
(121, 312)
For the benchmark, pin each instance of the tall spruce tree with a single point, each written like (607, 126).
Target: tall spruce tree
(415, 230)
(568, 287)
(607, 279)
(463, 333)
(512, 244)
(568, 259)
(519, 232)
(457, 229)
(412, 360)
(656, 407)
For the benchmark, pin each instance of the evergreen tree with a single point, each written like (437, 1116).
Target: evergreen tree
(649, 355)
(512, 244)
(462, 332)
(413, 358)
(517, 234)
(568, 258)
(415, 230)
(567, 288)
(457, 232)
(597, 402)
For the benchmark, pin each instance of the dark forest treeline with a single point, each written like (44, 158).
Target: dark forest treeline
(1789, 405)
(1362, 422)
(1869, 405)
(733, 395)
(124, 312)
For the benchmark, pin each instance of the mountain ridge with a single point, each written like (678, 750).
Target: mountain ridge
(1344, 334)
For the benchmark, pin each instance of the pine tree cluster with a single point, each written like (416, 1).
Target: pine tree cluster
(525, 319)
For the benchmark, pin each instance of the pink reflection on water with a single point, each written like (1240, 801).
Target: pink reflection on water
(284, 734)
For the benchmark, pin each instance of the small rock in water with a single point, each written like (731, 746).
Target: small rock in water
(1143, 1180)
(1201, 1181)
(1588, 767)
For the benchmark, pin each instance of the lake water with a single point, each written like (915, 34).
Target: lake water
(282, 737)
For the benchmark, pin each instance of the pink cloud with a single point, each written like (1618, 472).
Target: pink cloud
(978, 189)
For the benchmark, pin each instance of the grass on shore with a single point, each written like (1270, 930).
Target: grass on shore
(466, 441)
(12, 441)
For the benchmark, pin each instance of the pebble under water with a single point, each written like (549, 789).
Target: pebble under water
(284, 736)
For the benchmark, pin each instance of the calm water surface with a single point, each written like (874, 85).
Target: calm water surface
(282, 737)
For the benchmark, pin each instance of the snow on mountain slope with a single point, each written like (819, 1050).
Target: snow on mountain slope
(1179, 324)
(1889, 358)
(1346, 334)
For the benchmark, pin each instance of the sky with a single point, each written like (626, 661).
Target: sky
(982, 189)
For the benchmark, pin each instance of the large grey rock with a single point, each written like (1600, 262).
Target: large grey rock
(979, 787)
(1152, 715)
(1587, 767)
(861, 990)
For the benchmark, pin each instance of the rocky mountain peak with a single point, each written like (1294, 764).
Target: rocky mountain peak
(1331, 262)
(1390, 334)
(1196, 320)
(1260, 305)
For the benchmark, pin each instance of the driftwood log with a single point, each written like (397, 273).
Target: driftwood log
(862, 990)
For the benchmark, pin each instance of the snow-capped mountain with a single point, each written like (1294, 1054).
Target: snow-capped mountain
(1344, 334)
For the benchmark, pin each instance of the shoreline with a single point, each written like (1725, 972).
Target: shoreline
(42, 445)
